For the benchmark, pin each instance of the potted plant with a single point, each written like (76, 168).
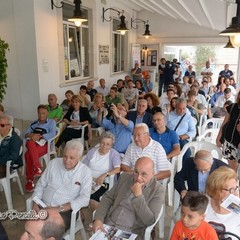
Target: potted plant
(4, 47)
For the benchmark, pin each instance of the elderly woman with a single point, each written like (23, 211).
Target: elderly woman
(74, 118)
(220, 184)
(103, 161)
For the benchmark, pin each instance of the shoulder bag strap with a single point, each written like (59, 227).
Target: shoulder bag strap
(179, 122)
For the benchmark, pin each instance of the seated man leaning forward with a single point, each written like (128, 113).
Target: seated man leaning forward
(143, 145)
(50, 228)
(66, 183)
(138, 195)
(37, 135)
(195, 172)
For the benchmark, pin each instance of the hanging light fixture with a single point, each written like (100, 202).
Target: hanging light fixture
(147, 33)
(122, 28)
(233, 31)
(78, 16)
(229, 44)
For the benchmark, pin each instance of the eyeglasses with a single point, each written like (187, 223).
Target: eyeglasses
(142, 174)
(3, 125)
(231, 190)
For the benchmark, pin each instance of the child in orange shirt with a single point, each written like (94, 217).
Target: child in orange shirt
(192, 225)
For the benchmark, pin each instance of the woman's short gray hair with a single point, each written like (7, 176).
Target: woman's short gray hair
(8, 118)
(75, 144)
(107, 135)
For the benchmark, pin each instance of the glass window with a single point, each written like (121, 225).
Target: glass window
(118, 48)
(76, 46)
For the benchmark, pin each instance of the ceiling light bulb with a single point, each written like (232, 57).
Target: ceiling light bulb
(123, 32)
(235, 40)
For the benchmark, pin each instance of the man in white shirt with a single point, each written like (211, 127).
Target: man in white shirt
(227, 95)
(143, 145)
(207, 71)
(102, 88)
(66, 183)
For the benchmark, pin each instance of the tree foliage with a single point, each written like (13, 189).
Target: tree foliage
(203, 54)
(4, 47)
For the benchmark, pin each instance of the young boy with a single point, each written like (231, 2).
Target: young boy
(192, 225)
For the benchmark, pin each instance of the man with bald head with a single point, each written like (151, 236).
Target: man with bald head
(195, 172)
(134, 202)
(55, 112)
(52, 227)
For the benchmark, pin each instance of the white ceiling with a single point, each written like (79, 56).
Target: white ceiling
(212, 14)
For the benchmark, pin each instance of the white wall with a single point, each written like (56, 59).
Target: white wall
(36, 63)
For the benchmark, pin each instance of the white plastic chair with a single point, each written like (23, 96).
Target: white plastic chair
(216, 123)
(81, 139)
(6, 184)
(209, 135)
(98, 130)
(50, 149)
(147, 235)
(75, 226)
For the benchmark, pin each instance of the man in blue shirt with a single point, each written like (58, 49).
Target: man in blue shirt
(119, 126)
(216, 95)
(165, 136)
(147, 84)
(37, 135)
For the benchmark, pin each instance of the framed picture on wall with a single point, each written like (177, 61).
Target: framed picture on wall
(152, 58)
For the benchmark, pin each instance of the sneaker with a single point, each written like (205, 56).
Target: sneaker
(38, 172)
(29, 187)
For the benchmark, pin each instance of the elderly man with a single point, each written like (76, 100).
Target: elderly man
(10, 145)
(226, 72)
(141, 116)
(227, 95)
(182, 122)
(90, 89)
(165, 136)
(52, 227)
(143, 145)
(119, 126)
(195, 172)
(37, 135)
(55, 112)
(134, 202)
(66, 183)
(102, 88)
(130, 94)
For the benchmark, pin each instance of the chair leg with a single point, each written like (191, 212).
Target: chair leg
(83, 234)
(20, 185)
(8, 195)
(161, 223)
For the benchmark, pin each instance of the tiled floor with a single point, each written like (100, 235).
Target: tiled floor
(15, 227)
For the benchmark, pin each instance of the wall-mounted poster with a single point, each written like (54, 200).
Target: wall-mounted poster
(136, 50)
(152, 57)
(103, 54)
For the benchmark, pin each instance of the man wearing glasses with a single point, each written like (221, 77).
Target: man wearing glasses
(10, 144)
(134, 202)
(195, 172)
(143, 145)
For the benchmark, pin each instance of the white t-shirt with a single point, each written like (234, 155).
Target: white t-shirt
(231, 221)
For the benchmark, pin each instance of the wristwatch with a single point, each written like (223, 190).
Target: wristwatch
(61, 208)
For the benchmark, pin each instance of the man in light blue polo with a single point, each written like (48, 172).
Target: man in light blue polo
(181, 121)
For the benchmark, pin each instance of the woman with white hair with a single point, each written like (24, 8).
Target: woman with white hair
(103, 162)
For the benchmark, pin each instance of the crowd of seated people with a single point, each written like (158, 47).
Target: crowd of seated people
(142, 133)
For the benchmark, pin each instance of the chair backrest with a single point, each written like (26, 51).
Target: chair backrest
(17, 131)
(149, 229)
(211, 123)
(198, 145)
(209, 135)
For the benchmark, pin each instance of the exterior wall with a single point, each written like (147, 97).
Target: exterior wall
(34, 33)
